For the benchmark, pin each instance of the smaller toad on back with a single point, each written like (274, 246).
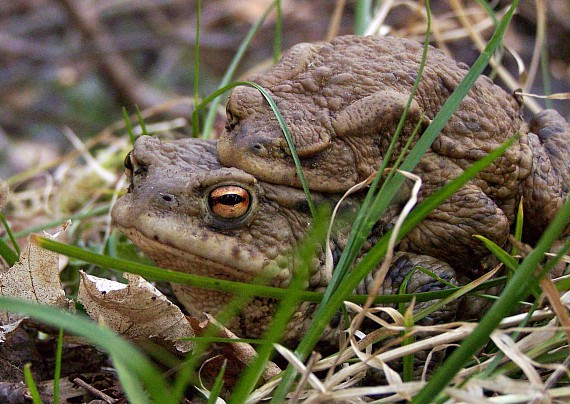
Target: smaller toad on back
(342, 102)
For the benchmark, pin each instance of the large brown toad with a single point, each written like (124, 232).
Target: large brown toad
(189, 213)
(235, 213)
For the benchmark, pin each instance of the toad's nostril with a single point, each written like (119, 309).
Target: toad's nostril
(258, 149)
(167, 197)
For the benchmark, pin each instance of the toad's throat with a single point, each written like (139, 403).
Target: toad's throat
(171, 257)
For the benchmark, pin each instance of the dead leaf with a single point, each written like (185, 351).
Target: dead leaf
(36, 278)
(137, 310)
(244, 352)
(237, 354)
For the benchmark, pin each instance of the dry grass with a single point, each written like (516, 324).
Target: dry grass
(523, 364)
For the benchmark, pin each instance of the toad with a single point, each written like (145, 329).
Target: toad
(189, 213)
(342, 102)
(234, 210)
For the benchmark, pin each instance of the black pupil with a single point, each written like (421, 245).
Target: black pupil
(128, 163)
(229, 199)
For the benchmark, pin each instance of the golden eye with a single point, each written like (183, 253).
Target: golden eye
(229, 201)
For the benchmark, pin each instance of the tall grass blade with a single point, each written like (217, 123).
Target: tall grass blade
(36, 398)
(289, 139)
(155, 273)
(131, 385)
(285, 311)
(218, 384)
(128, 125)
(247, 289)
(197, 57)
(364, 223)
(515, 290)
(370, 260)
(210, 118)
(546, 79)
(362, 12)
(278, 32)
(144, 132)
(57, 369)
(518, 227)
(10, 234)
(498, 252)
(7, 253)
(123, 354)
(324, 313)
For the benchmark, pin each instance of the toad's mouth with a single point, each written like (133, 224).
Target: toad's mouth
(169, 256)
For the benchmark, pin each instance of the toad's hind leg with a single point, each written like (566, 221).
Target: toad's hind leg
(434, 276)
(546, 189)
(439, 275)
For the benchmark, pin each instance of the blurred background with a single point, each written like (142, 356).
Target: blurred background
(73, 64)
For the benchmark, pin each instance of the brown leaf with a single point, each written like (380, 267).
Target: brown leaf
(137, 310)
(35, 277)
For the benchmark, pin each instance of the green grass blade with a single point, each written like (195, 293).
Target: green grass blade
(282, 125)
(210, 118)
(246, 289)
(10, 234)
(515, 290)
(325, 312)
(218, 384)
(144, 132)
(545, 70)
(36, 398)
(457, 293)
(408, 360)
(500, 355)
(197, 58)
(363, 223)
(57, 370)
(498, 252)
(289, 139)
(506, 259)
(558, 257)
(285, 311)
(490, 12)
(121, 352)
(362, 12)
(131, 385)
(278, 32)
(155, 273)
(370, 260)
(128, 125)
(518, 227)
(7, 253)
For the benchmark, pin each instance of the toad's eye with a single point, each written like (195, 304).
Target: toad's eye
(229, 201)
(232, 119)
(128, 165)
